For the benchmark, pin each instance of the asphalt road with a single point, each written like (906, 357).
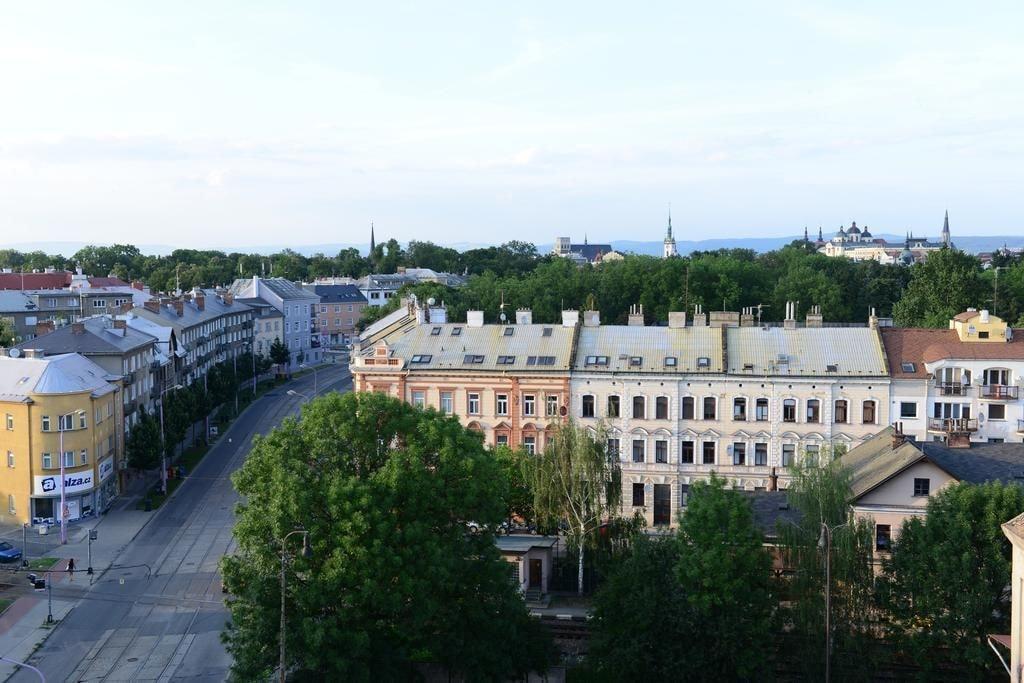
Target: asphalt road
(164, 621)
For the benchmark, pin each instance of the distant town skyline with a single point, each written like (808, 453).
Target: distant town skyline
(250, 125)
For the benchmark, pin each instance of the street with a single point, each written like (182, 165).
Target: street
(157, 614)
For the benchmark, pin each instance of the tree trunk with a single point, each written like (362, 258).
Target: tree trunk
(579, 575)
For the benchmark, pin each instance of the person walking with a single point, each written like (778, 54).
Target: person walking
(71, 569)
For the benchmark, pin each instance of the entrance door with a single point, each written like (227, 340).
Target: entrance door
(535, 573)
(662, 504)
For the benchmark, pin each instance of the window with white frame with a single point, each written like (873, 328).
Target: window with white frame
(661, 451)
(639, 450)
(788, 454)
(530, 444)
(639, 407)
(10, 422)
(551, 403)
(47, 461)
(613, 406)
(501, 404)
(69, 458)
(473, 403)
(10, 458)
(739, 453)
(760, 454)
(588, 406)
(529, 404)
(813, 410)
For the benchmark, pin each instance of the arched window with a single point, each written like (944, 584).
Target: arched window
(588, 406)
(841, 414)
(869, 416)
(661, 408)
(789, 410)
(639, 408)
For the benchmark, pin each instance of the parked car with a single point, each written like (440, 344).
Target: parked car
(8, 553)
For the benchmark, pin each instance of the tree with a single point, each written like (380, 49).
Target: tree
(575, 480)
(712, 577)
(947, 582)
(143, 443)
(384, 491)
(820, 491)
(947, 283)
(515, 465)
(279, 353)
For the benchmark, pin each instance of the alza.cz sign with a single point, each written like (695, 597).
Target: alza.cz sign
(49, 485)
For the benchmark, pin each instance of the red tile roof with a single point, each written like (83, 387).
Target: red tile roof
(58, 280)
(922, 345)
(107, 282)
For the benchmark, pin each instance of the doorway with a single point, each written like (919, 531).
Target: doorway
(536, 567)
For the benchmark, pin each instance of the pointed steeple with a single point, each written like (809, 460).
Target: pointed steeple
(806, 239)
(819, 234)
(584, 239)
(668, 235)
(373, 243)
(945, 230)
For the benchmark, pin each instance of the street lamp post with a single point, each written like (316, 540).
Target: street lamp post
(825, 543)
(306, 552)
(163, 444)
(24, 545)
(313, 368)
(292, 392)
(93, 535)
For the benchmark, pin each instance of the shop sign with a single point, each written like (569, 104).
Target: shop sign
(106, 468)
(76, 482)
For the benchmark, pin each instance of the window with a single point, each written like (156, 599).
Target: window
(501, 440)
(983, 334)
(596, 360)
(506, 360)
(473, 403)
(688, 407)
(10, 422)
(421, 359)
(908, 409)
(661, 408)
(638, 495)
(639, 450)
(69, 458)
(739, 409)
(996, 376)
(684, 494)
(869, 413)
(789, 410)
(588, 406)
(671, 361)
(907, 366)
(761, 410)
(10, 458)
(456, 331)
(661, 451)
(708, 452)
(552, 405)
(46, 423)
(529, 404)
(83, 457)
(501, 404)
(997, 412)
(788, 453)
(509, 331)
(419, 399)
(813, 410)
(546, 332)
(841, 415)
(613, 448)
(635, 361)
(446, 402)
(47, 461)
(883, 537)
(709, 408)
(10, 504)
(686, 452)
(922, 486)
(760, 454)
(99, 303)
(81, 420)
(436, 331)
(703, 362)
(639, 408)
(739, 454)
(471, 359)
(613, 406)
(530, 444)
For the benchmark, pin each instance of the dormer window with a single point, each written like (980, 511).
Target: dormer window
(546, 332)
(907, 366)
(671, 361)
(509, 331)
(506, 360)
(635, 361)
(456, 331)
(703, 362)
(435, 332)
(472, 359)
(421, 359)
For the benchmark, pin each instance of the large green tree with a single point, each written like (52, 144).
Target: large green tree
(384, 491)
(143, 443)
(948, 282)
(947, 582)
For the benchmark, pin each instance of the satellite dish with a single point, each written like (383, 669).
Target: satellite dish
(503, 317)
(430, 301)
(14, 353)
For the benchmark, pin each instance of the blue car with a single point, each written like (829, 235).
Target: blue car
(8, 553)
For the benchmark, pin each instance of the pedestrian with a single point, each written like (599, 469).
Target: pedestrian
(71, 568)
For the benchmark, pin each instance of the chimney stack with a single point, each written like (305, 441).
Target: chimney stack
(636, 316)
(138, 284)
(677, 320)
(179, 307)
(44, 327)
(120, 325)
(570, 318)
(898, 437)
(152, 305)
(700, 318)
(790, 322)
(474, 318)
(33, 353)
(747, 317)
(814, 317)
(200, 300)
(77, 328)
(591, 318)
(229, 298)
(524, 316)
(873, 319)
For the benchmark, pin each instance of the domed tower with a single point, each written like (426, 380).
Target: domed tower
(865, 236)
(669, 248)
(853, 234)
(840, 236)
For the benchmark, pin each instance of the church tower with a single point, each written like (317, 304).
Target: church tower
(945, 231)
(669, 250)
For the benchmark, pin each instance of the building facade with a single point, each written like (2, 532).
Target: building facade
(335, 317)
(296, 306)
(860, 245)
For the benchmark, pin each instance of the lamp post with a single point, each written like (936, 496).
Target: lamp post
(292, 392)
(825, 543)
(24, 545)
(304, 365)
(93, 535)
(306, 552)
(163, 445)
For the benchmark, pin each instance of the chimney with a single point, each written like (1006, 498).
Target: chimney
(438, 314)
(958, 440)
(636, 316)
(33, 353)
(474, 318)
(591, 318)
(126, 307)
(229, 298)
(179, 307)
(200, 300)
(700, 318)
(570, 318)
(120, 324)
(152, 305)
(790, 322)
(138, 284)
(44, 327)
(873, 319)
(677, 320)
(984, 317)
(814, 317)
(524, 316)
(773, 481)
(747, 317)
(77, 328)
(898, 437)
(724, 319)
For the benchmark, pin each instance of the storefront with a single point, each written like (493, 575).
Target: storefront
(107, 490)
(79, 497)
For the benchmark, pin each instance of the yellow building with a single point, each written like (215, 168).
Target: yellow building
(56, 408)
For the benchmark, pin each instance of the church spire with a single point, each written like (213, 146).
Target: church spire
(373, 243)
(945, 229)
(806, 239)
(668, 235)
(819, 234)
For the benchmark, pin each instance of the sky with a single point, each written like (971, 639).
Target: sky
(219, 124)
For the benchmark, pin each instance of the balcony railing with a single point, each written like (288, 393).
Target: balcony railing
(1000, 392)
(952, 425)
(953, 389)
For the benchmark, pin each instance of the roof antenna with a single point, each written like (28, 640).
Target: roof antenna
(501, 316)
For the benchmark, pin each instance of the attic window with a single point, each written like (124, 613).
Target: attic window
(635, 361)
(749, 367)
(456, 331)
(421, 359)
(782, 359)
(671, 361)
(983, 334)
(540, 360)
(703, 362)
(509, 331)
(596, 360)
(506, 360)
(832, 367)
(907, 366)
(435, 332)
(546, 332)
(471, 359)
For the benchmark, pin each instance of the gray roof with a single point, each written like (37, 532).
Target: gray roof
(68, 373)
(622, 344)
(15, 301)
(338, 294)
(191, 316)
(807, 351)
(519, 544)
(99, 337)
(284, 289)
(771, 508)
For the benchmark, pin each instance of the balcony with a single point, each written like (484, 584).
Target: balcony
(999, 392)
(952, 425)
(953, 389)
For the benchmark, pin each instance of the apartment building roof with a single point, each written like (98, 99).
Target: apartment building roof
(635, 348)
(282, 288)
(68, 373)
(60, 279)
(806, 351)
(338, 294)
(770, 508)
(213, 308)
(14, 301)
(456, 346)
(96, 335)
(908, 349)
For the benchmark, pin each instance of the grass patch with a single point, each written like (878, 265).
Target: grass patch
(189, 459)
(4, 604)
(39, 563)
